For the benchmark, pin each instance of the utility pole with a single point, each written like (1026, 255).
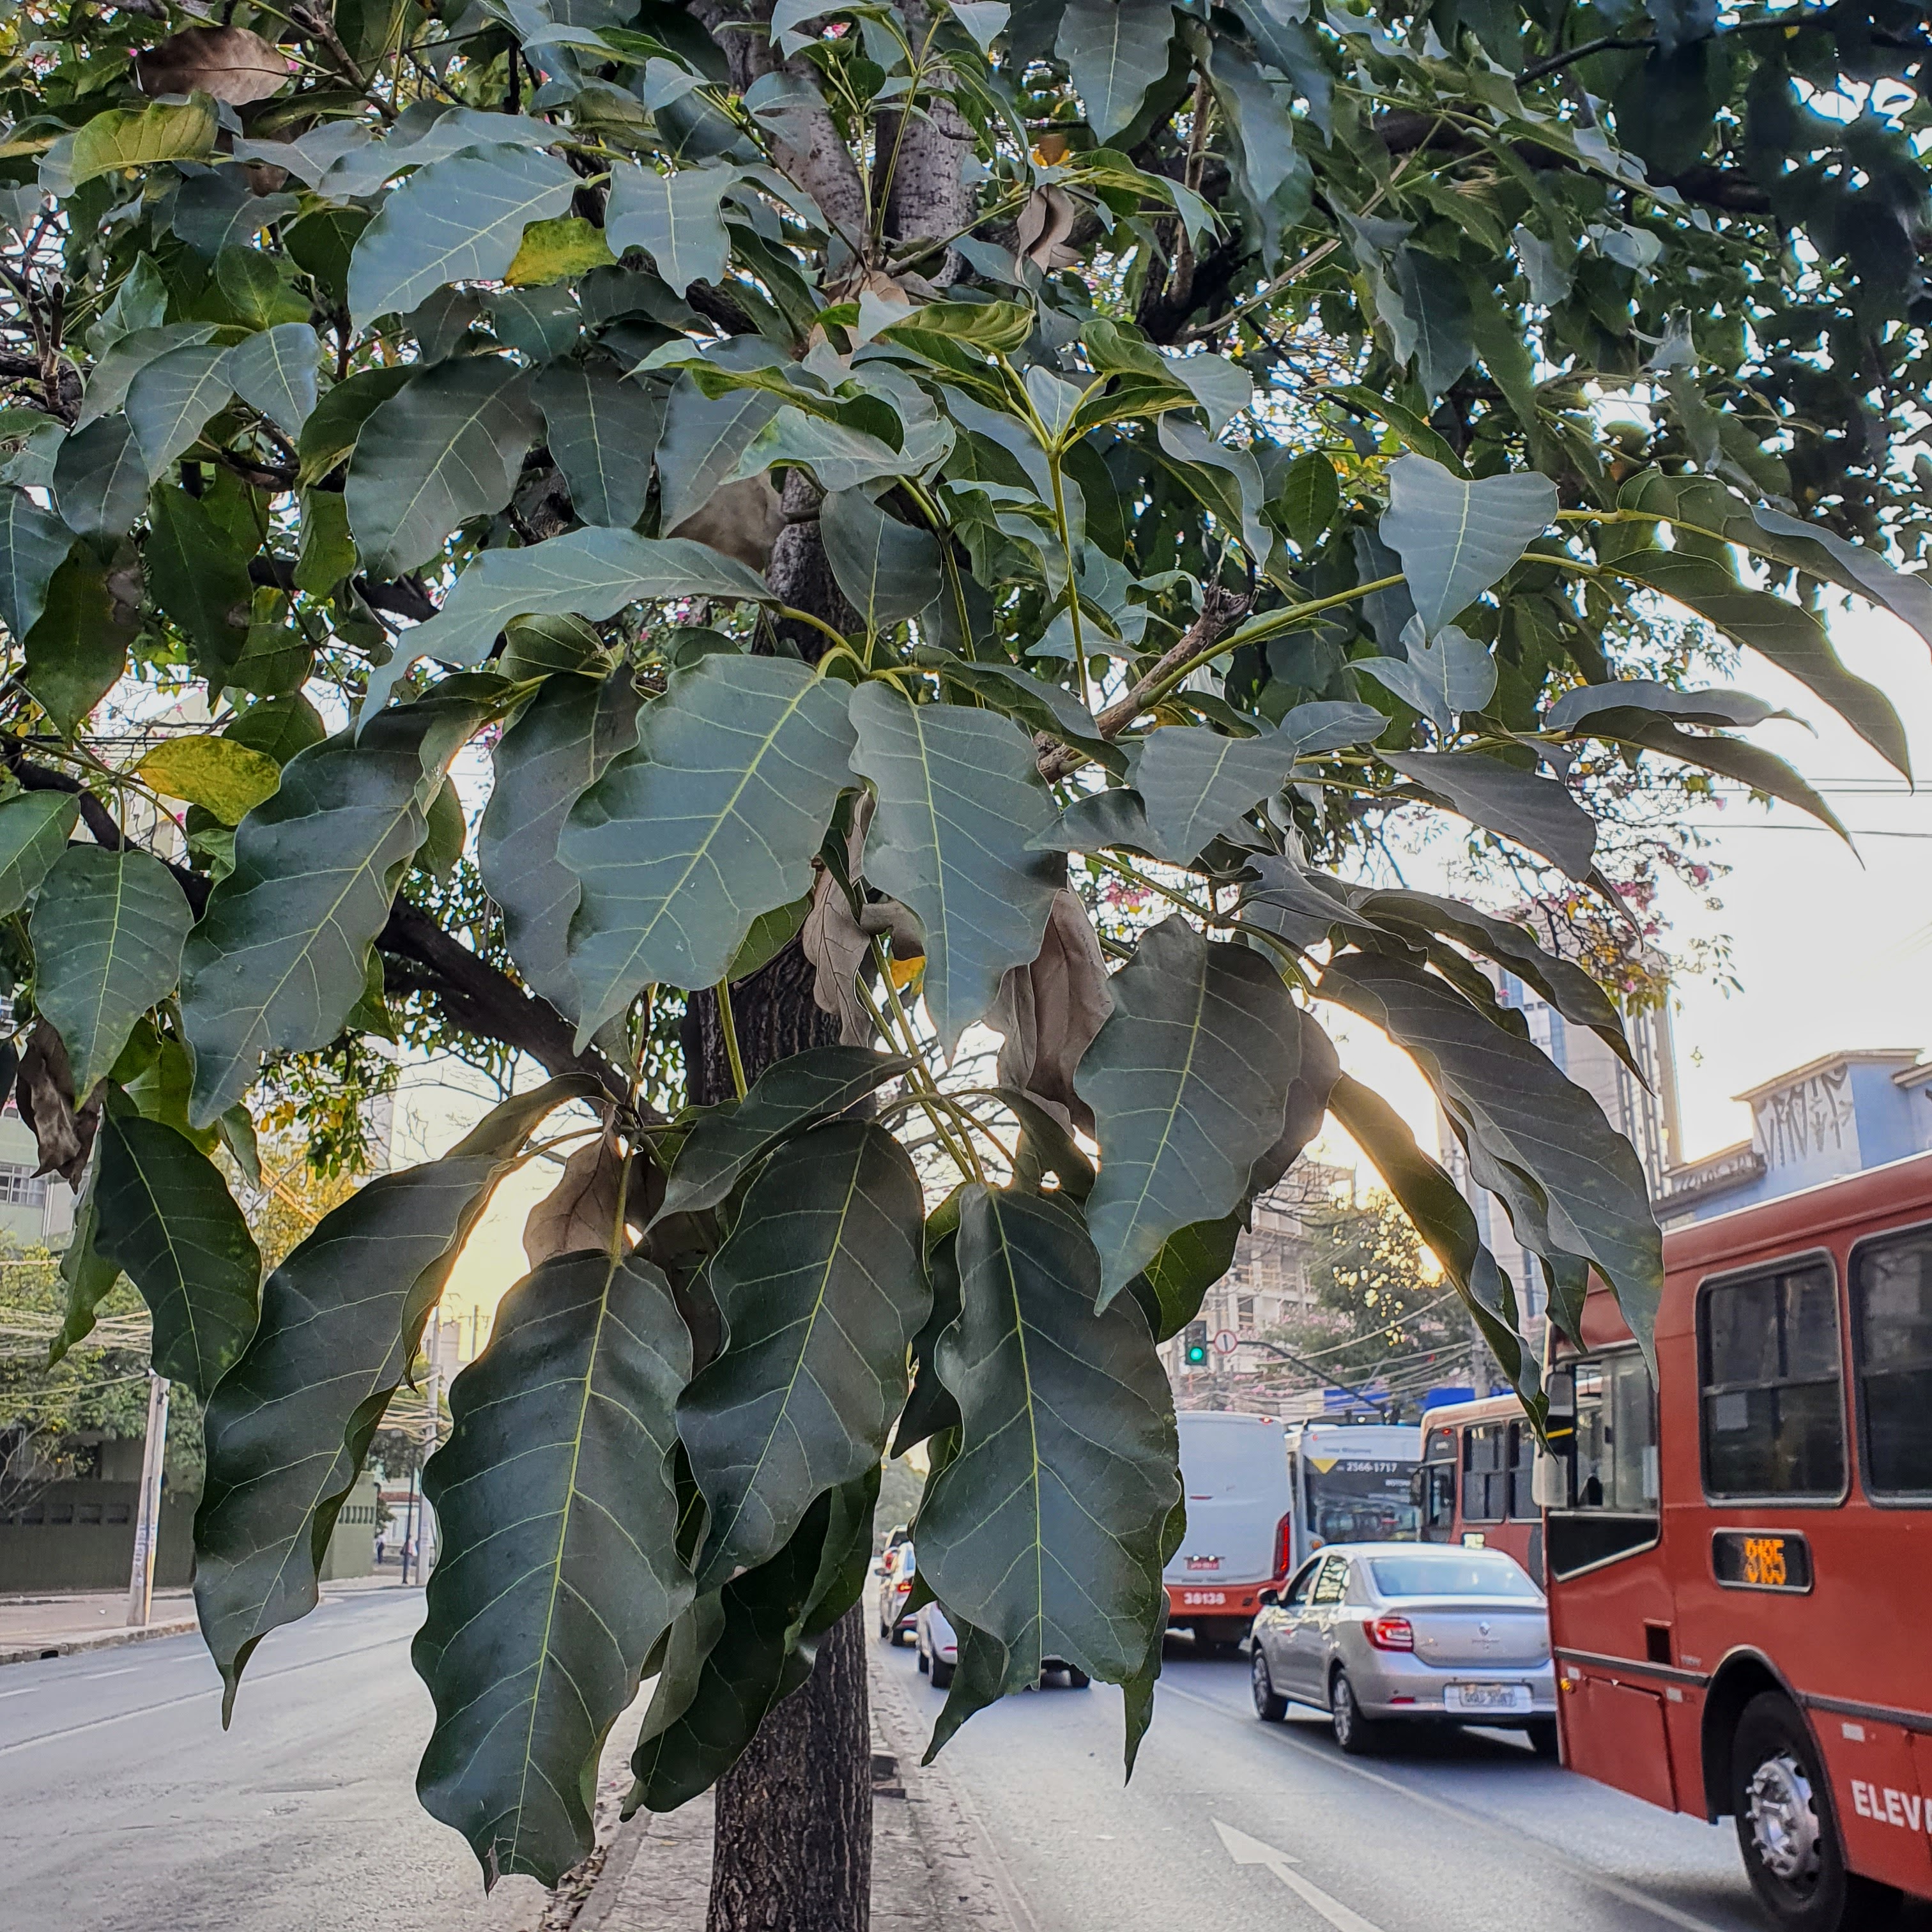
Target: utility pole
(147, 1515)
(432, 1380)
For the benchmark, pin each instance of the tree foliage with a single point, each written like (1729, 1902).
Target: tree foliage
(856, 472)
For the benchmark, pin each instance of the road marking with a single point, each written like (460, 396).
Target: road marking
(94, 1676)
(1246, 1851)
(27, 1692)
(1463, 1815)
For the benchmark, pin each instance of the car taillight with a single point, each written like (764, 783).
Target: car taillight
(1391, 1633)
(1284, 1546)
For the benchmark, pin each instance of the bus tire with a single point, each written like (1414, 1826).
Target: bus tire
(1543, 1737)
(1271, 1706)
(1358, 1736)
(942, 1674)
(1786, 1832)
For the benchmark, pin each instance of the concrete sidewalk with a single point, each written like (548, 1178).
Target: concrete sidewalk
(31, 1627)
(932, 1871)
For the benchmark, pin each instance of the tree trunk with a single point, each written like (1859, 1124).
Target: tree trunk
(792, 1847)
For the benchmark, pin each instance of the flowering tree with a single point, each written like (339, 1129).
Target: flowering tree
(865, 474)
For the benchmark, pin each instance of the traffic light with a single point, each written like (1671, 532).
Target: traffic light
(1195, 1352)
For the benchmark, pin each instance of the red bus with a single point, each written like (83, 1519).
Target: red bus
(1476, 1482)
(1740, 1572)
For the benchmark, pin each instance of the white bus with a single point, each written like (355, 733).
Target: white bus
(1352, 1482)
(1234, 1478)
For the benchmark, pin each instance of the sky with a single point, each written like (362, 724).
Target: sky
(1831, 948)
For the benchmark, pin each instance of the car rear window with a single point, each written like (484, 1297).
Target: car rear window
(1446, 1575)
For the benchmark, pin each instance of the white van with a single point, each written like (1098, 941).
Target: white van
(1240, 1539)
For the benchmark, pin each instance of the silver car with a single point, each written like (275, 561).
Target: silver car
(1380, 1633)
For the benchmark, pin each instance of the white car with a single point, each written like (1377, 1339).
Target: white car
(939, 1651)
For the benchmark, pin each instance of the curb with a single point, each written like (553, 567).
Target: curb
(109, 1640)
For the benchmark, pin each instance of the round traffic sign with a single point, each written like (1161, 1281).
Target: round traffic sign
(1226, 1341)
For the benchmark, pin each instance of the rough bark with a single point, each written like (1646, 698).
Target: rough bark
(928, 196)
(792, 1848)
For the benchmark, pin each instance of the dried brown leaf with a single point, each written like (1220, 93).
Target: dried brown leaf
(1042, 227)
(580, 1211)
(743, 520)
(1050, 1011)
(230, 63)
(43, 1090)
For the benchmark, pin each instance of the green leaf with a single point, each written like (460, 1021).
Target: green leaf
(1188, 1082)
(602, 430)
(289, 1425)
(458, 220)
(1172, 1286)
(1457, 539)
(930, 1407)
(1114, 51)
(554, 752)
(1535, 812)
(100, 482)
(325, 555)
(1309, 496)
(674, 218)
(108, 929)
(198, 575)
(78, 649)
(278, 728)
(705, 439)
(736, 1653)
(791, 1095)
(1045, 1530)
(33, 544)
(328, 436)
(1195, 783)
(888, 570)
(166, 1218)
(34, 827)
(257, 296)
(1664, 700)
(559, 1569)
(1434, 1205)
(1038, 705)
(1857, 567)
(822, 1286)
(131, 137)
(771, 933)
(1792, 638)
(275, 373)
(1521, 1122)
(1441, 677)
(277, 961)
(108, 382)
(448, 447)
(88, 1273)
(172, 399)
(840, 456)
(735, 772)
(960, 798)
(591, 573)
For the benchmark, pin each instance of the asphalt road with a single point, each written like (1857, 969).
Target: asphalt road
(126, 1809)
(1469, 1833)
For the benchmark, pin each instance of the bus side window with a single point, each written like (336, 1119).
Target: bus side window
(1892, 1336)
(1772, 1402)
(1485, 1476)
(1523, 1507)
(1438, 1491)
(1615, 1467)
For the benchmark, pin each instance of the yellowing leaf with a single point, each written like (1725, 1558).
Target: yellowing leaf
(909, 972)
(227, 779)
(550, 251)
(127, 138)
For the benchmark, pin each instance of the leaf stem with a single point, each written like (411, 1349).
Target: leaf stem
(728, 1026)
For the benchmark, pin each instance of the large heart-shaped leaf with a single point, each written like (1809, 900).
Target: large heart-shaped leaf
(1045, 1530)
(289, 1425)
(1188, 1082)
(166, 1219)
(1441, 676)
(790, 1095)
(280, 957)
(674, 218)
(198, 573)
(446, 448)
(1194, 783)
(592, 573)
(602, 430)
(171, 399)
(100, 482)
(1519, 1120)
(712, 820)
(458, 220)
(543, 763)
(275, 373)
(821, 1285)
(1458, 539)
(559, 1569)
(705, 437)
(960, 799)
(33, 544)
(888, 571)
(108, 930)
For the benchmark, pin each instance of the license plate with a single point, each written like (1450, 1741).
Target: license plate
(1203, 1597)
(1487, 1697)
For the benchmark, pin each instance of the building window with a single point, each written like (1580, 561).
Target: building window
(1891, 1333)
(21, 1187)
(1244, 1313)
(1773, 1399)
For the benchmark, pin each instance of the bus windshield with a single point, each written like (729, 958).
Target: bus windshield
(1358, 1499)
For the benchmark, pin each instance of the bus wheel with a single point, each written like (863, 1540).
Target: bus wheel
(1271, 1706)
(1542, 1738)
(1785, 1830)
(1356, 1734)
